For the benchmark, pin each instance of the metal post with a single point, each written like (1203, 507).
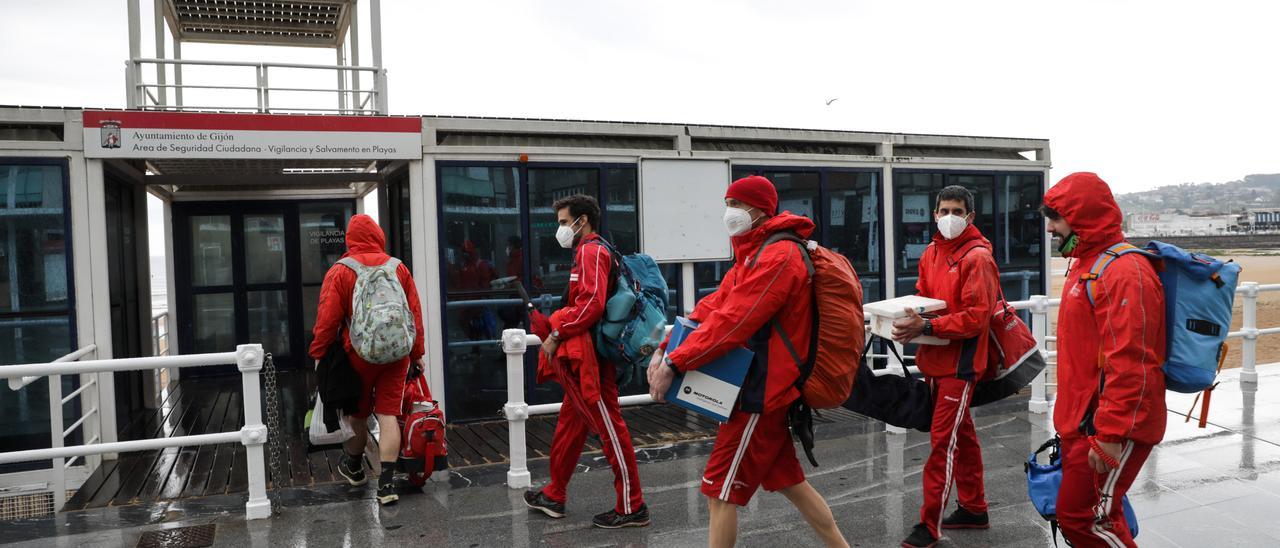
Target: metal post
(132, 78)
(59, 480)
(161, 70)
(177, 73)
(514, 343)
(1040, 327)
(262, 87)
(342, 78)
(254, 433)
(354, 40)
(380, 74)
(689, 289)
(1026, 284)
(1249, 353)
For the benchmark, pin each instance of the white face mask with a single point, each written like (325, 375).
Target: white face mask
(565, 234)
(736, 221)
(951, 226)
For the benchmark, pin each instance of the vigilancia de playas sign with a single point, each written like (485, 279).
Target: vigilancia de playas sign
(134, 134)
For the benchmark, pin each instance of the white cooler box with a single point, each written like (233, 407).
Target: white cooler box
(883, 313)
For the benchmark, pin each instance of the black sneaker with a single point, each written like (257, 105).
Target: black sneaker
(613, 520)
(352, 469)
(964, 519)
(538, 501)
(387, 485)
(919, 538)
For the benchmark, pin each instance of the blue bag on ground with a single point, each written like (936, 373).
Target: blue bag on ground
(1044, 480)
(1199, 292)
(635, 315)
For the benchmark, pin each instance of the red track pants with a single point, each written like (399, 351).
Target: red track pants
(954, 457)
(603, 418)
(1089, 509)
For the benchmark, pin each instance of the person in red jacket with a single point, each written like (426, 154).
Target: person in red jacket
(590, 393)
(754, 449)
(1110, 407)
(958, 268)
(383, 383)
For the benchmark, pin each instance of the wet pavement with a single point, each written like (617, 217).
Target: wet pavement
(1217, 486)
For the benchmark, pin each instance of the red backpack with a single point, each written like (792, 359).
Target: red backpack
(839, 328)
(423, 449)
(1013, 358)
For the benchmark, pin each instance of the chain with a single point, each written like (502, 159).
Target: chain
(274, 435)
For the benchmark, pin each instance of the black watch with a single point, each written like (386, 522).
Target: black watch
(671, 364)
(555, 334)
(928, 327)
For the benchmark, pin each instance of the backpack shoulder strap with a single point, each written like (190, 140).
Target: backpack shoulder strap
(1104, 260)
(392, 264)
(964, 250)
(790, 237)
(353, 264)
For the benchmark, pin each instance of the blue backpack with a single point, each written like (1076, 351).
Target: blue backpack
(1198, 292)
(1044, 480)
(635, 315)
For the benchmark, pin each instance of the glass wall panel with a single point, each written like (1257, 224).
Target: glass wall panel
(852, 209)
(269, 320)
(214, 325)
(264, 243)
(211, 250)
(36, 308)
(481, 212)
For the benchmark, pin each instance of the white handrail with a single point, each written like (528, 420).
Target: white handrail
(515, 342)
(16, 383)
(248, 359)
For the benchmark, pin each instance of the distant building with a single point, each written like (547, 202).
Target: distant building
(1263, 219)
(1177, 224)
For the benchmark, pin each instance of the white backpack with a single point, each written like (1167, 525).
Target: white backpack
(381, 325)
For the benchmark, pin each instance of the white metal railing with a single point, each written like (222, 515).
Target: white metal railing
(515, 342)
(247, 358)
(154, 95)
(160, 333)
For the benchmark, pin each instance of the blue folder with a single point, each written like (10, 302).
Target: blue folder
(712, 389)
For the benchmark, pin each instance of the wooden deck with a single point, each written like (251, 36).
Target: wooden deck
(210, 405)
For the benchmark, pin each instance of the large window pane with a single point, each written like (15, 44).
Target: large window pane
(546, 185)
(852, 206)
(213, 329)
(481, 215)
(211, 250)
(1021, 235)
(264, 248)
(35, 300)
(269, 320)
(323, 237)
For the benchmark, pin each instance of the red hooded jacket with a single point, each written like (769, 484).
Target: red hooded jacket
(365, 243)
(1121, 336)
(962, 272)
(588, 286)
(740, 310)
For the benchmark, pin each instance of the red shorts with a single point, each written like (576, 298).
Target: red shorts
(383, 388)
(751, 451)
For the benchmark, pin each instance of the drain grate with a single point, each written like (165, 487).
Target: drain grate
(196, 536)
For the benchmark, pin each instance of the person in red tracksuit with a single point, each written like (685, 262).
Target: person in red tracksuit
(1110, 408)
(590, 397)
(958, 268)
(383, 385)
(754, 448)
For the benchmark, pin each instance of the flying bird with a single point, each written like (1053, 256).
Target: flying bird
(832, 100)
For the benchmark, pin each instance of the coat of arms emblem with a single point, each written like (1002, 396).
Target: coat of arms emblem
(110, 132)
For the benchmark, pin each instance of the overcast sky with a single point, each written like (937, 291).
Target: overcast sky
(1146, 93)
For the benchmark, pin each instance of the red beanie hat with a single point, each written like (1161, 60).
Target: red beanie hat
(755, 191)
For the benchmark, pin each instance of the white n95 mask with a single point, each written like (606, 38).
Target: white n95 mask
(951, 226)
(736, 221)
(565, 234)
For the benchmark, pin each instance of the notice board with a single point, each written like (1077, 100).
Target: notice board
(682, 210)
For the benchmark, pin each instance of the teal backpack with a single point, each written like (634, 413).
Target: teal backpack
(635, 315)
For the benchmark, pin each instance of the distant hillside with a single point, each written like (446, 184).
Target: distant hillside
(1261, 190)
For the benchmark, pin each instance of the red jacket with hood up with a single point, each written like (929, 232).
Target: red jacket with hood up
(1121, 336)
(365, 243)
(970, 283)
(739, 311)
